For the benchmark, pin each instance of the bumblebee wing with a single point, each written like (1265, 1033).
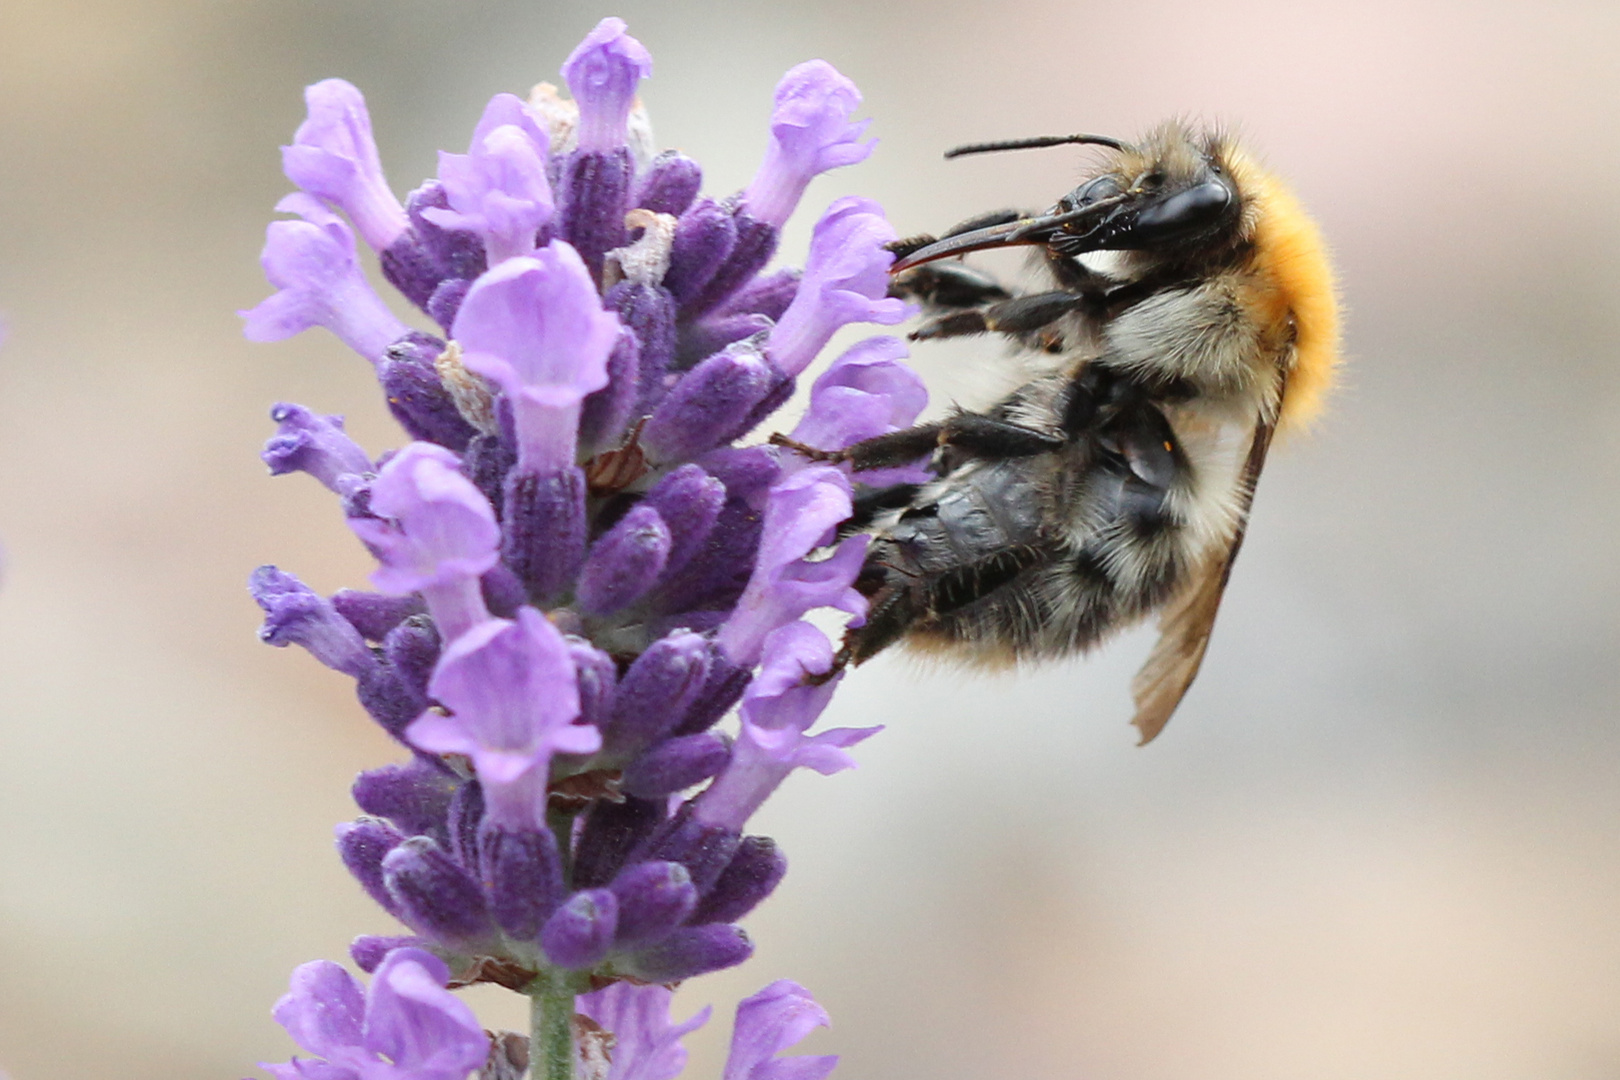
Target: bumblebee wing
(1186, 622)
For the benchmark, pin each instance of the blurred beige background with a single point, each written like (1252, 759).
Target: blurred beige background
(1382, 837)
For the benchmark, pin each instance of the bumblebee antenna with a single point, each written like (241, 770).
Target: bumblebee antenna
(1035, 144)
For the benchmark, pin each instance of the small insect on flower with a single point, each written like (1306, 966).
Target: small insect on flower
(1192, 315)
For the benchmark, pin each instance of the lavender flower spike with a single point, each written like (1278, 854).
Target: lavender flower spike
(776, 711)
(406, 1026)
(846, 279)
(810, 133)
(441, 537)
(647, 1045)
(314, 267)
(800, 513)
(602, 74)
(334, 158)
(536, 326)
(768, 1023)
(308, 442)
(498, 188)
(513, 696)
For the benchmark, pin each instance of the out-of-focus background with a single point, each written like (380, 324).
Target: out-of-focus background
(1381, 838)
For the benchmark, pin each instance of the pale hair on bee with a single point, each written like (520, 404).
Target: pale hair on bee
(1119, 484)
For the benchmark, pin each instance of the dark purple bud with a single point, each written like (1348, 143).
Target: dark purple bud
(703, 849)
(543, 537)
(689, 501)
(459, 253)
(434, 895)
(592, 201)
(598, 675)
(778, 396)
(374, 614)
(756, 243)
(607, 412)
(417, 398)
(708, 335)
(751, 876)
(364, 845)
(747, 471)
(654, 898)
(411, 649)
(367, 950)
(390, 700)
(579, 934)
(487, 460)
(675, 765)
(624, 562)
(768, 295)
(446, 300)
(704, 239)
(523, 877)
(669, 185)
(721, 690)
(716, 577)
(410, 268)
(296, 614)
(503, 592)
(710, 404)
(653, 695)
(649, 312)
(691, 951)
(414, 796)
(463, 819)
(612, 830)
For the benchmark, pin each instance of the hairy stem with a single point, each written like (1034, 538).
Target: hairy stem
(551, 1026)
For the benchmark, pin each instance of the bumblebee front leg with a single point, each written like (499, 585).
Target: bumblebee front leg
(974, 433)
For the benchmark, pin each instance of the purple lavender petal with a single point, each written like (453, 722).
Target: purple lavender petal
(709, 404)
(498, 189)
(414, 796)
(654, 898)
(334, 157)
(296, 614)
(613, 830)
(602, 73)
(846, 279)
(653, 695)
(669, 184)
(374, 614)
(523, 876)
(426, 1032)
(427, 258)
(689, 501)
(579, 934)
(434, 895)
(324, 1010)
(646, 1045)
(308, 442)
(866, 392)
(536, 326)
(810, 134)
(417, 396)
(369, 950)
(751, 876)
(705, 237)
(624, 562)
(675, 765)
(774, 1020)
(363, 845)
(800, 514)
(316, 272)
(544, 540)
(689, 952)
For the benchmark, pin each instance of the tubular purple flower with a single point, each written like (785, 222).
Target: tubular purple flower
(308, 442)
(647, 1045)
(536, 326)
(440, 536)
(800, 514)
(711, 404)
(314, 267)
(846, 279)
(810, 133)
(511, 689)
(602, 73)
(296, 614)
(866, 392)
(334, 157)
(775, 713)
(498, 188)
(405, 1026)
(773, 1020)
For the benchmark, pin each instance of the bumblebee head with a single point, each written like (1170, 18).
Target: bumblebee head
(1172, 194)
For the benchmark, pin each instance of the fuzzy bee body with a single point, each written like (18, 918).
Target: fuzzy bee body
(1119, 485)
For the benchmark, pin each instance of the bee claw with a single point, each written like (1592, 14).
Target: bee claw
(811, 452)
(841, 660)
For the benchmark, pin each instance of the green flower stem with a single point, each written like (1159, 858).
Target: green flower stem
(551, 1024)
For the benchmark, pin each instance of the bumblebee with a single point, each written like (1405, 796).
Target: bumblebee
(1191, 315)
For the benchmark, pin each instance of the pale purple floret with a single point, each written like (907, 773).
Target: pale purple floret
(316, 271)
(513, 698)
(439, 536)
(536, 326)
(498, 188)
(647, 1044)
(771, 1021)
(306, 441)
(800, 514)
(846, 279)
(334, 158)
(777, 710)
(866, 392)
(296, 614)
(602, 74)
(405, 1026)
(810, 133)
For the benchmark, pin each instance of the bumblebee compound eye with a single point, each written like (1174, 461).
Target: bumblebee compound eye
(1183, 214)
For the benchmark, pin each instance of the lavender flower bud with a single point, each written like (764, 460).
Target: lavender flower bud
(710, 404)
(375, 614)
(334, 157)
(598, 676)
(675, 765)
(503, 591)
(434, 895)
(689, 952)
(723, 689)
(612, 830)
(689, 501)
(579, 934)
(544, 537)
(602, 73)
(414, 796)
(669, 184)
(653, 695)
(411, 649)
(428, 257)
(704, 239)
(624, 563)
(714, 578)
(607, 412)
(444, 304)
(363, 846)
(768, 295)
(592, 202)
(523, 876)
(756, 243)
(369, 950)
(654, 898)
(648, 310)
(295, 614)
(751, 876)
(417, 397)
(307, 442)
(710, 334)
(704, 849)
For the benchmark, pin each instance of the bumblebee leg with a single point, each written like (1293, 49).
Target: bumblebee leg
(871, 502)
(948, 285)
(986, 436)
(1019, 315)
